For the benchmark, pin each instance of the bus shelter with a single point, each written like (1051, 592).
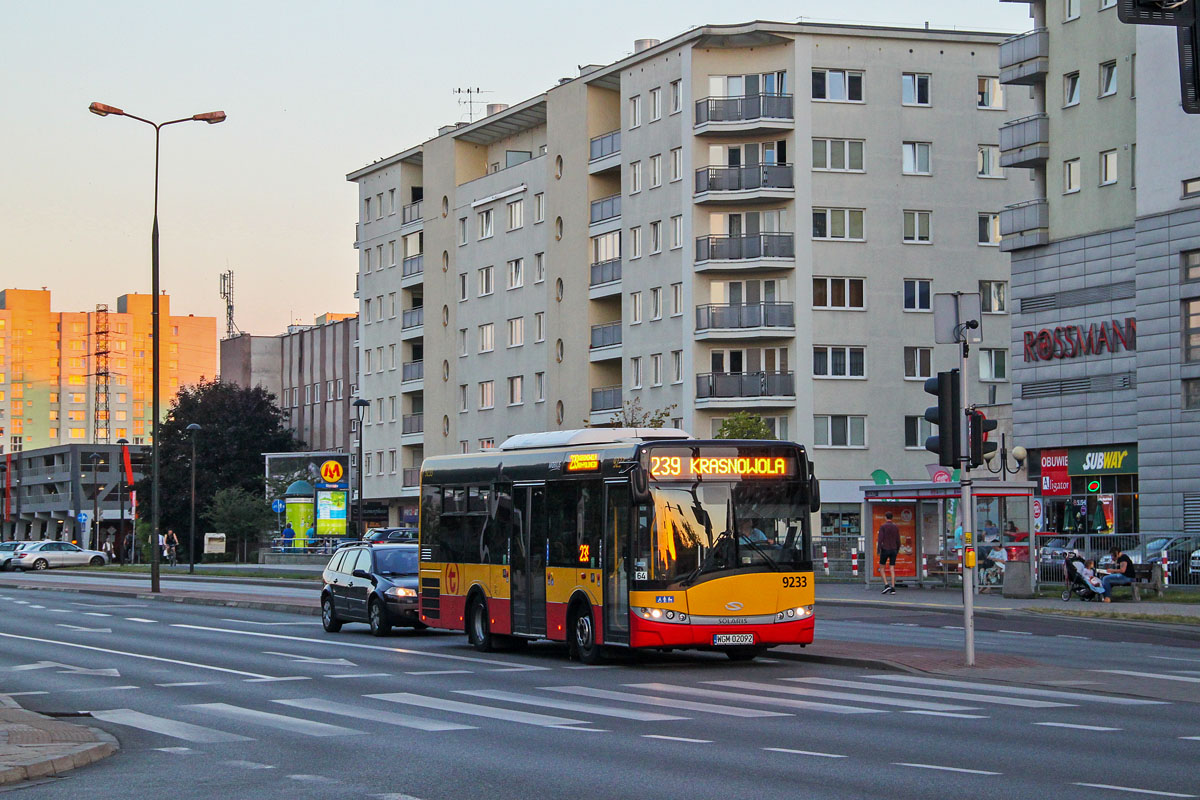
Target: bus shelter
(932, 541)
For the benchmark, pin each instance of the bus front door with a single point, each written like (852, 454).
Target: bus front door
(528, 558)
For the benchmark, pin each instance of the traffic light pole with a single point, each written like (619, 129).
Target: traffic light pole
(966, 511)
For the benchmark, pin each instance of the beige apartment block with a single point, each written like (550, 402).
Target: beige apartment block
(744, 217)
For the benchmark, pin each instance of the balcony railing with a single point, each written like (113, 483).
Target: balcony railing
(413, 318)
(1026, 141)
(744, 109)
(1024, 59)
(606, 271)
(754, 315)
(734, 248)
(410, 213)
(605, 144)
(606, 335)
(606, 208)
(413, 423)
(413, 265)
(411, 477)
(606, 398)
(412, 370)
(752, 176)
(745, 384)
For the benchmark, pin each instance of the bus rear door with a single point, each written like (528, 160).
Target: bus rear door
(528, 561)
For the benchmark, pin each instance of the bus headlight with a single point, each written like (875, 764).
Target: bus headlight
(661, 615)
(792, 614)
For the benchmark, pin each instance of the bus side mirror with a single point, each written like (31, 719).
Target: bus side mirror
(814, 490)
(639, 484)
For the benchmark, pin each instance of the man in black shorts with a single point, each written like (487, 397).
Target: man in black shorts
(887, 542)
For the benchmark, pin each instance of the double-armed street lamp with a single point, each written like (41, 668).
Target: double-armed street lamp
(212, 118)
(360, 410)
(1019, 455)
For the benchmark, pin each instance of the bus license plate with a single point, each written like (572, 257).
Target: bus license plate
(733, 638)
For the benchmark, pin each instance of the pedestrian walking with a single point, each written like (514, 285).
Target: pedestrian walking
(129, 547)
(172, 542)
(887, 543)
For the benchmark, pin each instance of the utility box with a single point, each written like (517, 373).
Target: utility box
(214, 543)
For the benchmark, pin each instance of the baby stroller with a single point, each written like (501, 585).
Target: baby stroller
(1076, 583)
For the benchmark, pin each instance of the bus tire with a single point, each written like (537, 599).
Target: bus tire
(745, 653)
(479, 630)
(583, 635)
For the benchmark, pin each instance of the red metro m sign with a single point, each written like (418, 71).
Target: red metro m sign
(1072, 341)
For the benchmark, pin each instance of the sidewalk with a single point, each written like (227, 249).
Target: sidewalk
(33, 746)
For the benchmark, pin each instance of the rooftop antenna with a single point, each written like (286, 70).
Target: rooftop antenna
(467, 97)
(231, 329)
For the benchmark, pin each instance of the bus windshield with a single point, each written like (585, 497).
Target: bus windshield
(716, 526)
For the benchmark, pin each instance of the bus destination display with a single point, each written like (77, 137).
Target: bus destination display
(673, 465)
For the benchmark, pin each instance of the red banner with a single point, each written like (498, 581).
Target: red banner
(1056, 480)
(128, 464)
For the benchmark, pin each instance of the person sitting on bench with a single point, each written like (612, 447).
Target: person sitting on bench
(1121, 573)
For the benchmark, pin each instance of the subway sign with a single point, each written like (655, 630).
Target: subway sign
(1103, 460)
(1073, 341)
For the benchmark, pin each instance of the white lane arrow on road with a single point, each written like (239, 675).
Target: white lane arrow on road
(336, 662)
(67, 669)
(85, 630)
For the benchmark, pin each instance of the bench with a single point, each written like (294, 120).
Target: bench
(1149, 575)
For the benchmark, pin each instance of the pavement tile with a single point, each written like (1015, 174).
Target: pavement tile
(34, 746)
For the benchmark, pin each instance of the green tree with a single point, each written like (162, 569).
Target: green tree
(243, 517)
(632, 415)
(237, 425)
(744, 425)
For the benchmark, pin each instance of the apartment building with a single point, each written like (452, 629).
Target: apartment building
(1105, 254)
(50, 392)
(744, 217)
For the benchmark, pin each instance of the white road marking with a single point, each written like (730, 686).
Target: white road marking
(977, 696)
(139, 619)
(21, 602)
(945, 769)
(248, 764)
(472, 709)
(394, 797)
(608, 666)
(1158, 676)
(676, 738)
(179, 751)
(1070, 636)
(333, 662)
(256, 622)
(277, 680)
(568, 705)
(1076, 727)
(804, 752)
(1176, 658)
(953, 627)
(312, 778)
(67, 669)
(1053, 694)
(578, 728)
(106, 688)
(167, 727)
(1017, 633)
(948, 714)
(1189, 738)
(666, 702)
(855, 698)
(61, 611)
(23, 694)
(187, 683)
(37, 606)
(95, 614)
(81, 629)
(1130, 789)
(751, 699)
(278, 721)
(374, 714)
(362, 675)
(439, 672)
(132, 655)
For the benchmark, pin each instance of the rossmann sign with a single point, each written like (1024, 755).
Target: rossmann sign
(1072, 341)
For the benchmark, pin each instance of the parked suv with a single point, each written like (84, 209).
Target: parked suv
(371, 583)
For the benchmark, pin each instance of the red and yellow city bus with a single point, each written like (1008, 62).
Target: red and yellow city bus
(639, 538)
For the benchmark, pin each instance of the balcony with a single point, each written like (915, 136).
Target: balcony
(412, 371)
(1025, 225)
(764, 112)
(753, 251)
(411, 477)
(743, 184)
(410, 213)
(606, 279)
(412, 423)
(606, 208)
(745, 321)
(1025, 142)
(412, 323)
(412, 270)
(605, 153)
(606, 342)
(606, 398)
(1025, 59)
(731, 389)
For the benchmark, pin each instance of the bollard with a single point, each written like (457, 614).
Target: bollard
(1166, 573)
(854, 563)
(960, 561)
(825, 558)
(924, 569)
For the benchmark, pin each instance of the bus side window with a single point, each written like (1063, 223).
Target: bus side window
(590, 525)
(642, 546)
(431, 514)
(503, 526)
(562, 512)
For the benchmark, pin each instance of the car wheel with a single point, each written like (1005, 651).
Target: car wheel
(329, 620)
(479, 630)
(745, 653)
(377, 618)
(583, 637)
(41, 563)
(96, 561)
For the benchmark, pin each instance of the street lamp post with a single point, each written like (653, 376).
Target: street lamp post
(192, 429)
(212, 118)
(95, 538)
(1019, 455)
(360, 410)
(119, 544)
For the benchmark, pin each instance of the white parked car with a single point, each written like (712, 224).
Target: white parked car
(1194, 564)
(43, 555)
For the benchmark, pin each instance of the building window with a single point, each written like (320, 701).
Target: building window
(462, 397)
(635, 372)
(392, 408)
(676, 366)
(391, 361)
(656, 369)
(676, 96)
(676, 232)
(516, 273)
(1071, 89)
(1191, 188)
(837, 223)
(839, 430)
(914, 89)
(1071, 176)
(367, 210)
(1189, 262)
(838, 155)
(989, 229)
(539, 207)
(655, 237)
(1191, 394)
(1108, 167)
(462, 230)
(993, 364)
(539, 387)
(676, 163)
(635, 242)
(487, 394)
(539, 267)
(515, 390)
(655, 104)
(487, 337)
(487, 444)
(516, 332)
(839, 362)
(1070, 10)
(1191, 330)
(635, 177)
(918, 363)
(516, 214)
(366, 364)
(838, 293)
(485, 224)
(462, 286)
(676, 299)
(837, 85)
(1108, 79)
(916, 294)
(487, 281)
(635, 308)
(656, 303)
(635, 111)
(990, 93)
(916, 431)
(994, 295)
(655, 171)
(916, 158)
(539, 326)
(462, 341)
(916, 227)
(988, 161)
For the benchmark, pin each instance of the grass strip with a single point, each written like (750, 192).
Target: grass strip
(1171, 619)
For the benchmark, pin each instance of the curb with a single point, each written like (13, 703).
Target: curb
(70, 756)
(288, 608)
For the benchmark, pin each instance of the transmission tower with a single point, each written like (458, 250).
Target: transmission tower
(231, 329)
(101, 375)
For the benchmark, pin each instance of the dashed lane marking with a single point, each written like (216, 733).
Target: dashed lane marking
(439, 672)
(676, 738)
(1076, 727)
(363, 675)
(945, 768)
(139, 619)
(1133, 790)
(133, 655)
(804, 752)
(248, 764)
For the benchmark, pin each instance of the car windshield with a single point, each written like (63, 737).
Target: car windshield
(398, 561)
(1155, 545)
(1055, 544)
(716, 526)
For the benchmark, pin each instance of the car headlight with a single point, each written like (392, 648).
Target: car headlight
(400, 591)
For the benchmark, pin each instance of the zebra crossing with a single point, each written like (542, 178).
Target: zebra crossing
(577, 707)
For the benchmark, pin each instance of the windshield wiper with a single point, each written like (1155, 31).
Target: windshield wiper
(761, 552)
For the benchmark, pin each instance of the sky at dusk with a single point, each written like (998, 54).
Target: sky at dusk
(313, 90)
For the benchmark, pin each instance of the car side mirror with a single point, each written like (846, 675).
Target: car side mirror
(362, 573)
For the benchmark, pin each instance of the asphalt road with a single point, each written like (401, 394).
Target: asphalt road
(219, 702)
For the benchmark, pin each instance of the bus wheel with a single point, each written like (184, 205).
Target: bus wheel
(745, 653)
(479, 632)
(583, 637)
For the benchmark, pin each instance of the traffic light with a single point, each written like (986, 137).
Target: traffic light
(979, 428)
(947, 415)
(1184, 17)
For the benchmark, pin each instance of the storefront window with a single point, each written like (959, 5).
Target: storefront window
(841, 519)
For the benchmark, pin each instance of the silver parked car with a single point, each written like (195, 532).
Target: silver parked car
(8, 552)
(43, 555)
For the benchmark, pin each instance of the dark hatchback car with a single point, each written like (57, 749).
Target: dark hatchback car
(371, 583)
(391, 535)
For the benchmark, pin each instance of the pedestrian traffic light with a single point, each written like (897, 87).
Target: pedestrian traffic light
(978, 430)
(947, 415)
